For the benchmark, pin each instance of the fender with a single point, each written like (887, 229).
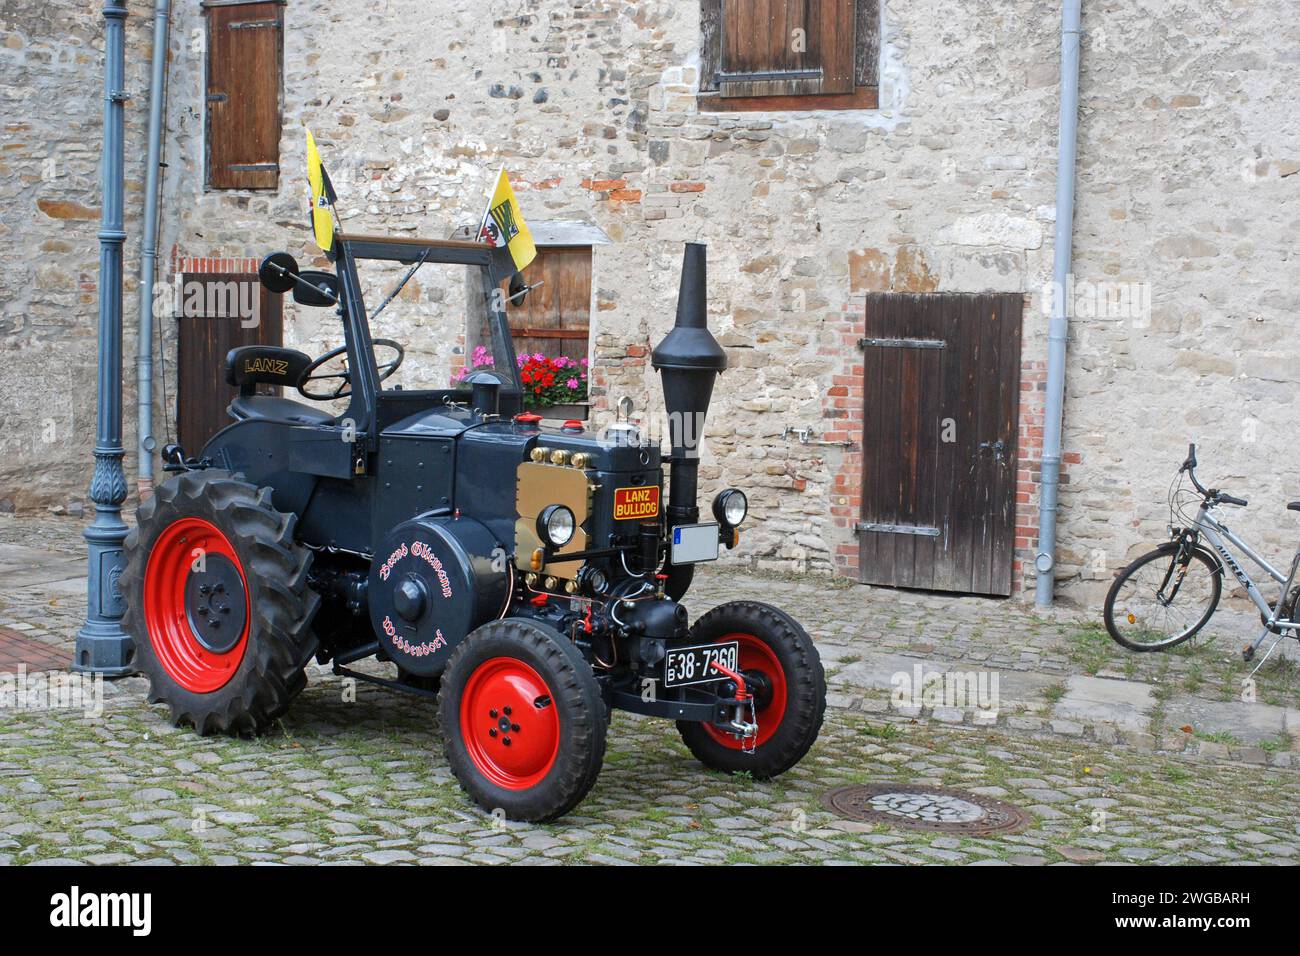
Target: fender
(1216, 562)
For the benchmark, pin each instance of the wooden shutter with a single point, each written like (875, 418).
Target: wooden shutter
(787, 47)
(244, 68)
(554, 318)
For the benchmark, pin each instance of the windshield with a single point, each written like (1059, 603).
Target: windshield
(441, 317)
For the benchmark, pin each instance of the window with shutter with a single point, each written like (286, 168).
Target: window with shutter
(244, 69)
(789, 54)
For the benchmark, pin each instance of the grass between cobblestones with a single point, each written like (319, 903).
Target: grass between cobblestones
(366, 782)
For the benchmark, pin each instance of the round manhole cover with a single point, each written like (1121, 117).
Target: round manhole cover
(926, 808)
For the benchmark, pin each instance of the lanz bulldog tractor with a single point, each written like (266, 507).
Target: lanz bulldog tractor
(529, 577)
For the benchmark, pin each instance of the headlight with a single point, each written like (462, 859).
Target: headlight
(555, 525)
(593, 580)
(730, 507)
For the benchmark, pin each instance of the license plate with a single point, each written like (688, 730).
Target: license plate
(694, 665)
(639, 502)
(693, 543)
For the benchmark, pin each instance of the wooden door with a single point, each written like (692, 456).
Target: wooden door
(217, 316)
(940, 423)
(555, 317)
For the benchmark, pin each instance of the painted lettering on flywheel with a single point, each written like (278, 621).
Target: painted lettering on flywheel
(422, 551)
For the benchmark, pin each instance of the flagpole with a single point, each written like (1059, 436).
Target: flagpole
(487, 208)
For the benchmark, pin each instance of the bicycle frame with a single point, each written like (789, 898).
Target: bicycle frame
(1219, 536)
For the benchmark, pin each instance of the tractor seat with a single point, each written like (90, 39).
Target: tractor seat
(1293, 506)
(278, 409)
(253, 365)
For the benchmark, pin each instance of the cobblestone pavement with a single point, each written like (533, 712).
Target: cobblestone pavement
(365, 781)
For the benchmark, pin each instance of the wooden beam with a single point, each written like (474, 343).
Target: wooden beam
(567, 333)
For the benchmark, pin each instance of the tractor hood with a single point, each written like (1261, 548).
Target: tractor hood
(513, 441)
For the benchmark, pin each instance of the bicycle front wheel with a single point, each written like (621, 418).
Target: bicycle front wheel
(1162, 599)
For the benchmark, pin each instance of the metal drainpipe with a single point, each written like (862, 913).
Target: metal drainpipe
(149, 252)
(102, 646)
(1059, 323)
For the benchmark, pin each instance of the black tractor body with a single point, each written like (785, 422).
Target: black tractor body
(530, 575)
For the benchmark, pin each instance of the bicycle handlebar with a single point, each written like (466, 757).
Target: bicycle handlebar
(1219, 497)
(1189, 466)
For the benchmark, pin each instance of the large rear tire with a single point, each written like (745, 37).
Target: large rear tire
(791, 701)
(523, 721)
(218, 603)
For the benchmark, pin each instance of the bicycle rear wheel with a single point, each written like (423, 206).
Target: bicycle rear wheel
(1159, 601)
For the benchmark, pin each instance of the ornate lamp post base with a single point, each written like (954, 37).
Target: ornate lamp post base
(102, 646)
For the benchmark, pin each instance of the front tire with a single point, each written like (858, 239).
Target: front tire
(523, 720)
(1151, 608)
(218, 603)
(790, 711)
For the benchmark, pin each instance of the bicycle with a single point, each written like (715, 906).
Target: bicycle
(1167, 595)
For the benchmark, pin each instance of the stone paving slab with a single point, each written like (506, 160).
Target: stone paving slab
(22, 566)
(1234, 721)
(1127, 705)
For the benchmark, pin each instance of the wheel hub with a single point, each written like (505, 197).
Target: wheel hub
(215, 603)
(409, 598)
(760, 685)
(196, 605)
(510, 726)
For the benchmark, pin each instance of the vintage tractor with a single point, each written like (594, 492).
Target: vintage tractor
(529, 577)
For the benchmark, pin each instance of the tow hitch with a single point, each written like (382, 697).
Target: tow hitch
(746, 730)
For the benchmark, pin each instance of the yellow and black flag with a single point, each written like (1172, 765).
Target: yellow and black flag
(503, 225)
(323, 198)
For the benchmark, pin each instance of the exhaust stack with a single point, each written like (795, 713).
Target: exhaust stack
(689, 359)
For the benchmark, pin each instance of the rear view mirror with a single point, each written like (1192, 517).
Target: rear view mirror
(316, 288)
(278, 272)
(518, 290)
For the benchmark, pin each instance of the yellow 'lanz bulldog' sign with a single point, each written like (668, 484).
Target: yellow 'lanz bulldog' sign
(636, 503)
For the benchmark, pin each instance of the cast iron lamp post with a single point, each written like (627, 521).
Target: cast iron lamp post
(102, 646)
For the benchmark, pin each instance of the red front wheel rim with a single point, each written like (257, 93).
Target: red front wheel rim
(189, 552)
(509, 723)
(756, 655)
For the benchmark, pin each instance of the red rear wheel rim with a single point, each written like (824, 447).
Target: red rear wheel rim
(167, 616)
(756, 655)
(509, 723)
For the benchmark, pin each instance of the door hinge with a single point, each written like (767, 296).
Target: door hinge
(902, 343)
(761, 76)
(920, 530)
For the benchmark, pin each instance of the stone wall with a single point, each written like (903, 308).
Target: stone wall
(1189, 143)
(51, 124)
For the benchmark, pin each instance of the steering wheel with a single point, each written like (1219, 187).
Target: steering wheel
(344, 387)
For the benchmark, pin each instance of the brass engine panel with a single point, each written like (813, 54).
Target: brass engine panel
(537, 486)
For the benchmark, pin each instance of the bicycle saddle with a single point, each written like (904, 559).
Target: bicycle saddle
(1293, 506)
